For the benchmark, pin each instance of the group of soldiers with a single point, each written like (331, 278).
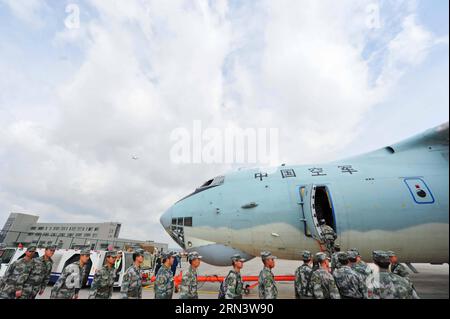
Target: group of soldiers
(232, 286)
(344, 275)
(27, 277)
(164, 285)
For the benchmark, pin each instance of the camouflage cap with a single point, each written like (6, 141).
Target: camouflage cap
(85, 252)
(306, 255)
(194, 255)
(168, 254)
(391, 253)
(351, 254)
(380, 256)
(355, 250)
(111, 253)
(342, 256)
(165, 254)
(320, 257)
(139, 252)
(267, 255)
(237, 257)
(51, 247)
(337, 245)
(31, 249)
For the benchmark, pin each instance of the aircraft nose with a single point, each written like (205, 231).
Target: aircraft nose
(166, 218)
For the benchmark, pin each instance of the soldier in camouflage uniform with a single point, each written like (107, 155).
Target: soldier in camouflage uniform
(188, 289)
(40, 274)
(131, 287)
(349, 283)
(233, 286)
(266, 282)
(323, 284)
(16, 275)
(302, 278)
(358, 265)
(334, 258)
(164, 284)
(395, 267)
(386, 285)
(103, 283)
(329, 236)
(72, 278)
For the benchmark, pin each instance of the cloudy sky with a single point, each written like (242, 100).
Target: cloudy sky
(87, 85)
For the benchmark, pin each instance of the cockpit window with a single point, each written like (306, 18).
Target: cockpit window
(188, 221)
(216, 181)
(207, 183)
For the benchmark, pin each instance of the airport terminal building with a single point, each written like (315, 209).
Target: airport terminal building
(25, 229)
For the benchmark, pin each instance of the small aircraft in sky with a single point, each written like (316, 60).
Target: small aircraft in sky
(395, 198)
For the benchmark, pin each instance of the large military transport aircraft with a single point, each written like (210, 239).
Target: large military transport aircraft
(394, 198)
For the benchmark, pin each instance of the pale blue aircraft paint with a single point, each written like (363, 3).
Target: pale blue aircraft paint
(394, 198)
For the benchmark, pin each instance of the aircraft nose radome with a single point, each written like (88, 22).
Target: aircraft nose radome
(166, 219)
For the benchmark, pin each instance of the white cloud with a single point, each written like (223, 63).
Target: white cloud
(149, 67)
(409, 48)
(27, 10)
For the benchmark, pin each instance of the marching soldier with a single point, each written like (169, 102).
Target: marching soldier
(72, 278)
(348, 282)
(329, 236)
(334, 258)
(395, 267)
(164, 284)
(266, 282)
(358, 265)
(40, 274)
(132, 280)
(323, 284)
(232, 286)
(386, 285)
(103, 283)
(189, 280)
(302, 278)
(16, 275)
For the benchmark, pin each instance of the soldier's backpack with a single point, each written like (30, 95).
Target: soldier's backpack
(308, 285)
(222, 291)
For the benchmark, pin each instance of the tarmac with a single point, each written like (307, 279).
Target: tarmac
(432, 281)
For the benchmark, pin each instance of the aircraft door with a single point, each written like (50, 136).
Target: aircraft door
(306, 194)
